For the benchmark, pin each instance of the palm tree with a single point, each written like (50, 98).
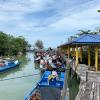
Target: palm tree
(83, 32)
(98, 10)
(97, 31)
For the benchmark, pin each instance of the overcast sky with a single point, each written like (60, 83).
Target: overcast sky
(49, 20)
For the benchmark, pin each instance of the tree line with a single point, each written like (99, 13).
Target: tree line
(10, 45)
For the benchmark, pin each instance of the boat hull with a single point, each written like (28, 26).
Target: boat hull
(9, 66)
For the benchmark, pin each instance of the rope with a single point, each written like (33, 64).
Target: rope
(19, 77)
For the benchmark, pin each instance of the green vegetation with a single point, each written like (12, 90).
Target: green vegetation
(39, 44)
(98, 10)
(73, 85)
(10, 45)
(97, 31)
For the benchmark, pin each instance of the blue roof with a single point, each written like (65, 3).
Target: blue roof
(87, 39)
(84, 39)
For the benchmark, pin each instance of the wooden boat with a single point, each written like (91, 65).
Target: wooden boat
(54, 83)
(37, 59)
(50, 68)
(8, 65)
(46, 89)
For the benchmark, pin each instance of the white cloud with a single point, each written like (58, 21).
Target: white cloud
(48, 20)
(81, 19)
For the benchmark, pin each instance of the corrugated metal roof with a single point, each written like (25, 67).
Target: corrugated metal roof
(84, 39)
(87, 38)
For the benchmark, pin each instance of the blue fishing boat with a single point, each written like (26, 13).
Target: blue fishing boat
(61, 68)
(49, 87)
(54, 82)
(8, 65)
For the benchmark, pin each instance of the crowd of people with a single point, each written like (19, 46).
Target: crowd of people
(49, 59)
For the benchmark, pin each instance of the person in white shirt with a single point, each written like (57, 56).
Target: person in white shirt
(42, 63)
(50, 60)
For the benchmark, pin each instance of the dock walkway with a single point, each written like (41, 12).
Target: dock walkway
(89, 91)
(89, 88)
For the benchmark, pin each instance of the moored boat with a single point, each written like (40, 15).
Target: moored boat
(52, 67)
(8, 65)
(47, 89)
(37, 59)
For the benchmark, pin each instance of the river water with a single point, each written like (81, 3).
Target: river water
(15, 89)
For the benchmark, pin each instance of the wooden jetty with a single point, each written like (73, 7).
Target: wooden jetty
(89, 88)
(89, 91)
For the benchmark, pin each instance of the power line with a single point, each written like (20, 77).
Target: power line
(19, 77)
